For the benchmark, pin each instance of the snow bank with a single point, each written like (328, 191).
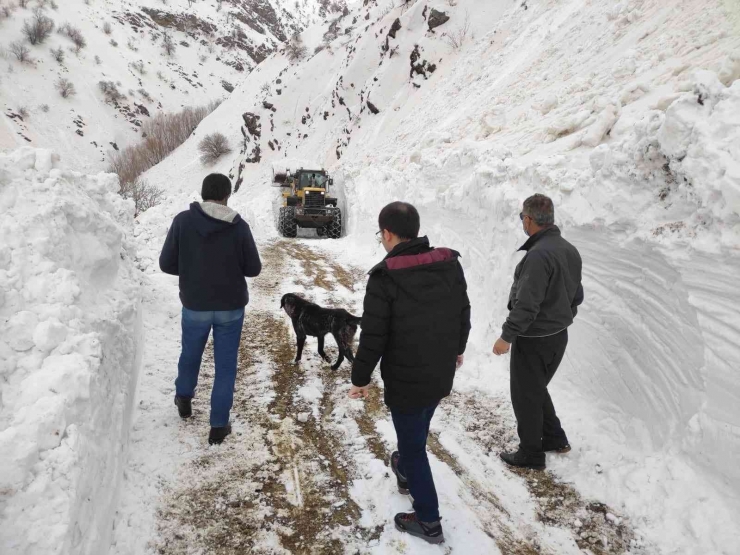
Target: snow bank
(69, 319)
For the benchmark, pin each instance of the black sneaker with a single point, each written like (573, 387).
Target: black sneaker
(559, 446)
(217, 435)
(403, 486)
(183, 406)
(430, 532)
(524, 460)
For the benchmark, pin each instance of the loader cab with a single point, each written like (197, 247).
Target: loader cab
(312, 180)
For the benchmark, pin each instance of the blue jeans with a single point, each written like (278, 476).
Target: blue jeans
(412, 429)
(227, 332)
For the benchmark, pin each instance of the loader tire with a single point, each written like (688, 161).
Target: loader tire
(287, 225)
(334, 228)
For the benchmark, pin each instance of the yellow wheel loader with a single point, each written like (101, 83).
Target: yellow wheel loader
(307, 203)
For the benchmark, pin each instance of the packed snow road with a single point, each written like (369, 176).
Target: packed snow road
(306, 468)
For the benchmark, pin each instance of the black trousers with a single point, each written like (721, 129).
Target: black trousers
(534, 361)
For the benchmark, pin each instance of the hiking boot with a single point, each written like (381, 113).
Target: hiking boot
(559, 446)
(217, 435)
(403, 486)
(183, 406)
(430, 532)
(524, 460)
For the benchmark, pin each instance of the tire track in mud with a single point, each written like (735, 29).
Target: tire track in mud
(320, 271)
(493, 516)
(595, 527)
(487, 506)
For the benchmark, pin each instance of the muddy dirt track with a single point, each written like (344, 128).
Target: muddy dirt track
(283, 482)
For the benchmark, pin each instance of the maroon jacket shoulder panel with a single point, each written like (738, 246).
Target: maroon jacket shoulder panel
(413, 260)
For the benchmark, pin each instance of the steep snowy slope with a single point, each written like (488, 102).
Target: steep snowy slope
(214, 45)
(627, 115)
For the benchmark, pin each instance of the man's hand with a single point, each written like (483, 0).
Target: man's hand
(460, 360)
(359, 392)
(501, 347)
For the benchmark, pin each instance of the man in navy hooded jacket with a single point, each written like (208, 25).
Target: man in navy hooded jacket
(211, 249)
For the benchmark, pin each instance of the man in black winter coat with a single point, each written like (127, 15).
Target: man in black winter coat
(543, 302)
(416, 322)
(211, 249)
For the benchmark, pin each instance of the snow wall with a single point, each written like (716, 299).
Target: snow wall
(659, 337)
(69, 353)
(649, 388)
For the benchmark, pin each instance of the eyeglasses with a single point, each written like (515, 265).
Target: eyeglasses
(522, 215)
(378, 235)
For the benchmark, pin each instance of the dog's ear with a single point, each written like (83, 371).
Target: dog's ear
(288, 304)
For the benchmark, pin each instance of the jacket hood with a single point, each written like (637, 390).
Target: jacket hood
(210, 218)
(414, 253)
(423, 272)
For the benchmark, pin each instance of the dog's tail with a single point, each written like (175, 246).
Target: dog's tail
(354, 320)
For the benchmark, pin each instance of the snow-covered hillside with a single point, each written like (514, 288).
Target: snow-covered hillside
(627, 115)
(214, 46)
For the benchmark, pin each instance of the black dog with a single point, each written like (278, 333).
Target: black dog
(311, 319)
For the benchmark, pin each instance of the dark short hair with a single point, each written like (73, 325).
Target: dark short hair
(216, 186)
(540, 209)
(400, 218)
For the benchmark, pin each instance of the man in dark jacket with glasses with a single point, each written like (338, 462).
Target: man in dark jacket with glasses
(416, 323)
(543, 302)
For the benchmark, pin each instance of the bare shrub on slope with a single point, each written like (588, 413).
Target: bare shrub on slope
(168, 44)
(212, 147)
(57, 54)
(144, 194)
(21, 52)
(65, 87)
(162, 135)
(111, 92)
(38, 28)
(456, 38)
(295, 49)
(75, 35)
